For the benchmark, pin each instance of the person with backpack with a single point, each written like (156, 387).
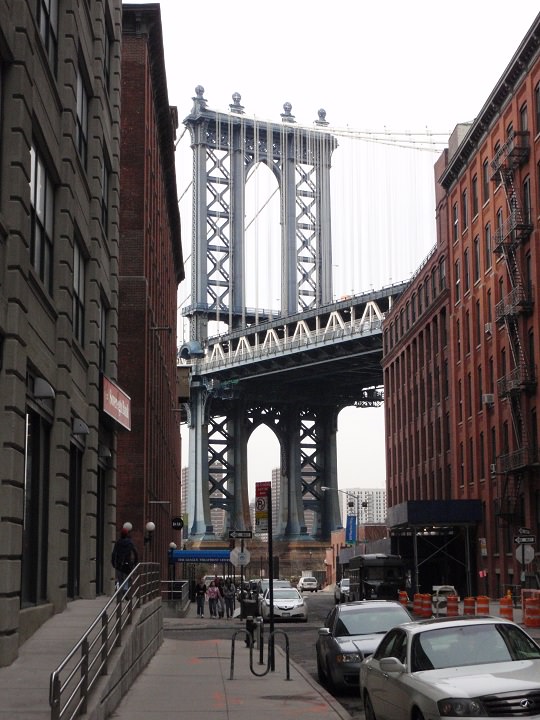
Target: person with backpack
(124, 558)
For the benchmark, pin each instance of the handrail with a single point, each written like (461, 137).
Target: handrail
(72, 681)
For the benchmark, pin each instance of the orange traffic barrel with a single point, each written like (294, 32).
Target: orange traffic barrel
(452, 606)
(403, 597)
(426, 605)
(532, 612)
(482, 605)
(417, 604)
(506, 609)
(469, 604)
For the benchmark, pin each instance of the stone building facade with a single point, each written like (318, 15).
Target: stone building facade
(59, 242)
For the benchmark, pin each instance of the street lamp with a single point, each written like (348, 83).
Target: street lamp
(353, 504)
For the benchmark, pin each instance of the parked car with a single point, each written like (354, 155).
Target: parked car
(288, 605)
(306, 584)
(352, 631)
(264, 586)
(466, 667)
(342, 591)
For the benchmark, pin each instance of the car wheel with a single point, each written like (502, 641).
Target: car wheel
(368, 708)
(418, 715)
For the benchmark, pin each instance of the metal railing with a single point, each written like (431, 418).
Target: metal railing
(72, 681)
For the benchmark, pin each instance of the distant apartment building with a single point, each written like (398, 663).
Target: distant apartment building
(368, 503)
(461, 346)
(151, 268)
(61, 406)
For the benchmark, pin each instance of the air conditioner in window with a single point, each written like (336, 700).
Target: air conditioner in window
(488, 399)
(487, 328)
(493, 468)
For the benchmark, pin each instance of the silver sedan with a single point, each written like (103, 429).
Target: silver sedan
(465, 667)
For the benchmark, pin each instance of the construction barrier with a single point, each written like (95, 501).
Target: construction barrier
(403, 597)
(417, 604)
(482, 605)
(469, 606)
(452, 609)
(506, 609)
(426, 605)
(532, 612)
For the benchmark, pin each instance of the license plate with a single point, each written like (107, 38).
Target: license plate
(285, 614)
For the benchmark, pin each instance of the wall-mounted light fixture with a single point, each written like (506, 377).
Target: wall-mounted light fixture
(43, 390)
(150, 527)
(79, 427)
(127, 526)
(104, 452)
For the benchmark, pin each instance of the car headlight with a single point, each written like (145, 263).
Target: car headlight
(349, 658)
(461, 707)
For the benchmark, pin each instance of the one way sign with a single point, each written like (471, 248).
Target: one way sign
(240, 534)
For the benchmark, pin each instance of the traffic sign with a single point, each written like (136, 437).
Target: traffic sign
(240, 534)
(177, 523)
(525, 554)
(525, 539)
(239, 557)
(524, 531)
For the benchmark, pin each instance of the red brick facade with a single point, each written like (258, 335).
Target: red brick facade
(461, 347)
(151, 268)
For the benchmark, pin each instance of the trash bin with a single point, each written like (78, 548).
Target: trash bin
(247, 607)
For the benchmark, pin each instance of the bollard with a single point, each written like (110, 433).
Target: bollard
(417, 604)
(532, 612)
(506, 609)
(482, 605)
(469, 606)
(251, 626)
(452, 609)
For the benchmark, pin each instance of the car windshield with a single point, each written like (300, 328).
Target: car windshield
(369, 621)
(344, 583)
(283, 594)
(471, 645)
(308, 580)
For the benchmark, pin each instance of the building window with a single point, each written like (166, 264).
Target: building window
(476, 259)
(105, 196)
(107, 49)
(47, 20)
(478, 324)
(464, 211)
(488, 304)
(487, 246)
(467, 333)
(442, 275)
(42, 215)
(455, 222)
(466, 270)
(103, 318)
(475, 196)
(537, 109)
(457, 273)
(82, 119)
(481, 451)
(523, 118)
(485, 181)
(79, 275)
(458, 339)
(36, 511)
(527, 210)
(480, 390)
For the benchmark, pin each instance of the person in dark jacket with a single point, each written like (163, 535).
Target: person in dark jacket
(124, 557)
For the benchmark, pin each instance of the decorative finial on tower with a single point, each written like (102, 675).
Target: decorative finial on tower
(199, 103)
(322, 118)
(236, 107)
(287, 116)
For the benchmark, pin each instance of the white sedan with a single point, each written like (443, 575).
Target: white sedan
(288, 605)
(465, 667)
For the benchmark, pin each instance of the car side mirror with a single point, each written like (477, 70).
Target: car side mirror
(391, 665)
(324, 631)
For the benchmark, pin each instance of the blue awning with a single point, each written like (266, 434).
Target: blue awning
(201, 556)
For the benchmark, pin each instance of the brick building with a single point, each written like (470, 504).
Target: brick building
(151, 267)
(461, 347)
(59, 190)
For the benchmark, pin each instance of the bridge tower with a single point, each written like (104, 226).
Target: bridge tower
(226, 146)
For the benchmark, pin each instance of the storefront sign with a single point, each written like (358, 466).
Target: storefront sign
(116, 403)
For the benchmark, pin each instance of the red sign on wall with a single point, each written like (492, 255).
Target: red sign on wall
(116, 403)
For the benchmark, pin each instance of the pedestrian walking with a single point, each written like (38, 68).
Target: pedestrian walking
(213, 594)
(221, 598)
(200, 596)
(229, 594)
(124, 558)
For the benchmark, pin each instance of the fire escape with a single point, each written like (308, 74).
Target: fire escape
(510, 312)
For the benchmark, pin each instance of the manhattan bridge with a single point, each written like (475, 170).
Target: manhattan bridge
(293, 369)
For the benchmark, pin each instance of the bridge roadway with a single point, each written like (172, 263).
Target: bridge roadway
(331, 354)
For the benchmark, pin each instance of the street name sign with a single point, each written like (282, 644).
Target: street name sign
(525, 539)
(240, 534)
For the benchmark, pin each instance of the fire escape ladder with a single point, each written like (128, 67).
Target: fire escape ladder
(510, 509)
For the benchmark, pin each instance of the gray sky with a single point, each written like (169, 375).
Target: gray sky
(400, 66)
